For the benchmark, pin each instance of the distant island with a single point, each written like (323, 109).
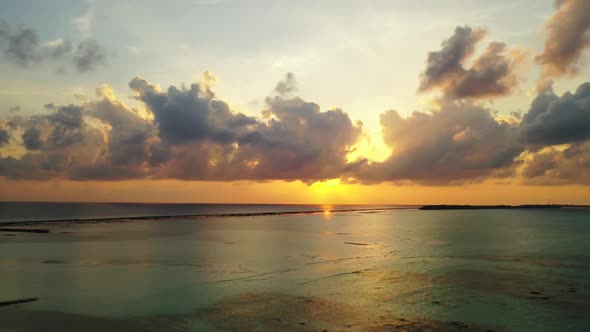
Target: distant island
(499, 207)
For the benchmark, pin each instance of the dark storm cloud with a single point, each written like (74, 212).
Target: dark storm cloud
(66, 124)
(23, 47)
(32, 139)
(462, 141)
(568, 36)
(555, 120)
(4, 137)
(491, 74)
(88, 55)
(26, 167)
(189, 115)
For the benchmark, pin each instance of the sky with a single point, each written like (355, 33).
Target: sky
(328, 102)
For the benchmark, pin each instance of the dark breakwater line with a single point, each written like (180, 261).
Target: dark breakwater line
(499, 207)
(24, 230)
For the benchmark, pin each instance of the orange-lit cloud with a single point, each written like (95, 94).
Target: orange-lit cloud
(568, 36)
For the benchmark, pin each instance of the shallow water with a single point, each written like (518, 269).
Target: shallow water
(513, 270)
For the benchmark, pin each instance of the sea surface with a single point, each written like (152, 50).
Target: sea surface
(14, 212)
(337, 269)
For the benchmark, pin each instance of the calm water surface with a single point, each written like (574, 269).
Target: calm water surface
(504, 270)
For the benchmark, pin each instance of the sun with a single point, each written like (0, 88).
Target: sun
(329, 191)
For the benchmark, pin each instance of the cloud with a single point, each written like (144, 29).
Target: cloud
(4, 137)
(190, 114)
(299, 141)
(554, 120)
(568, 36)
(287, 86)
(101, 139)
(129, 136)
(67, 126)
(491, 74)
(32, 139)
(558, 167)
(23, 47)
(189, 134)
(89, 54)
(539, 164)
(462, 141)
(207, 140)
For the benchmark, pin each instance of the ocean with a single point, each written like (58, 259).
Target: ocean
(337, 268)
(27, 212)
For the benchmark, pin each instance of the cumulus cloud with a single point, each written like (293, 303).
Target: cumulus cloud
(129, 135)
(568, 36)
(97, 140)
(491, 74)
(555, 120)
(299, 141)
(557, 167)
(23, 47)
(205, 139)
(556, 133)
(190, 114)
(190, 134)
(462, 141)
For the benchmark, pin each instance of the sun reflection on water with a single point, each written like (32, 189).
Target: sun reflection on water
(328, 212)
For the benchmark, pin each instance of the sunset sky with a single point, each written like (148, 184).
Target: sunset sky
(329, 102)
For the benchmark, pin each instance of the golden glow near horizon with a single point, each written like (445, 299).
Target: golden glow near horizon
(280, 192)
(327, 188)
